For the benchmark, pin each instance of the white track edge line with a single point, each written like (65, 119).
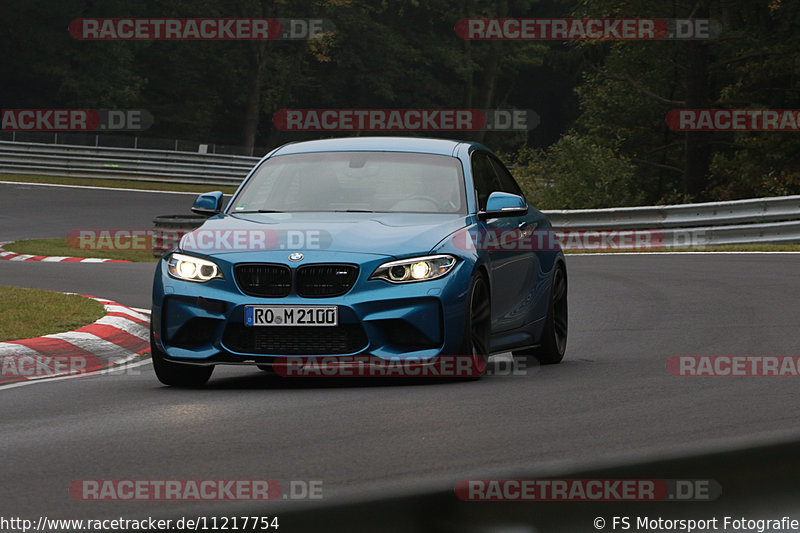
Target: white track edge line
(97, 187)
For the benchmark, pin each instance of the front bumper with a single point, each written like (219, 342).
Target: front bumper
(203, 323)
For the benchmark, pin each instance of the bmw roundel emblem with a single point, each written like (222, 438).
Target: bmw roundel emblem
(296, 256)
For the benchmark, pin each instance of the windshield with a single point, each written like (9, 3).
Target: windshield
(355, 181)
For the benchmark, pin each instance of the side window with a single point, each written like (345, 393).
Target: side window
(507, 181)
(485, 178)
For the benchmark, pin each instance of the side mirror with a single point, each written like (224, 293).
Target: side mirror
(503, 204)
(208, 204)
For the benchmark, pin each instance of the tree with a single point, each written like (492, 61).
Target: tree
(630, 86)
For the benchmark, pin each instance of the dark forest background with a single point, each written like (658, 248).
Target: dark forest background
(602, 140)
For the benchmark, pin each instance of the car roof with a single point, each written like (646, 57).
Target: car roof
(383, 144)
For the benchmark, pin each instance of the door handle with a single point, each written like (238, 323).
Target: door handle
(526, 229)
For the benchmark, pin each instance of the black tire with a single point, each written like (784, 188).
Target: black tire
(176, 374)
(478, 325)
(553, 343)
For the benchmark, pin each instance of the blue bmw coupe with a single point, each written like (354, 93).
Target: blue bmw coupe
(388, 247)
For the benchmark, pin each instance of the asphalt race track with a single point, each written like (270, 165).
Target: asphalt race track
(611, 399)
(39, 211)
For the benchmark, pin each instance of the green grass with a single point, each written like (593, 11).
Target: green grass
(118, 184)
(60, 247)
(27, 313)
(716, 248)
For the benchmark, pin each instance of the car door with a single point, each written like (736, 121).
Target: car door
(513, 270)
(533, 221)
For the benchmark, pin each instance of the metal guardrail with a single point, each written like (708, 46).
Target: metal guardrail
(121, 140)
(678, 216)
(758, 220)
(123, 163)
(764, 220)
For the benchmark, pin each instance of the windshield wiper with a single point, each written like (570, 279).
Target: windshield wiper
(257, 211)
(352, 211)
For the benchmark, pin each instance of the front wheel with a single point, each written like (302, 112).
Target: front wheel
(176, 374)
(553, 343)
(477, 326)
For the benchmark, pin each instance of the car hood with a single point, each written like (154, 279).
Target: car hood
(389, 234)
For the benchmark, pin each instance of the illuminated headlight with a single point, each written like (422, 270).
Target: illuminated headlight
(190, 268)
(415, 269)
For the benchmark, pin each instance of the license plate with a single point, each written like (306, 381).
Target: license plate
(291, 315)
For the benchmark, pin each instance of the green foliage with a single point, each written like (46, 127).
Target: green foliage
(576, 172)
(763, 164)
(611, 96)
(629, 87)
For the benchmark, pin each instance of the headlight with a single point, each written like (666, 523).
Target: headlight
(190, 268)
(415, 269)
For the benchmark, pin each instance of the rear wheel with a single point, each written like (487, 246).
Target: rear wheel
(176, 374)
(554, 336)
